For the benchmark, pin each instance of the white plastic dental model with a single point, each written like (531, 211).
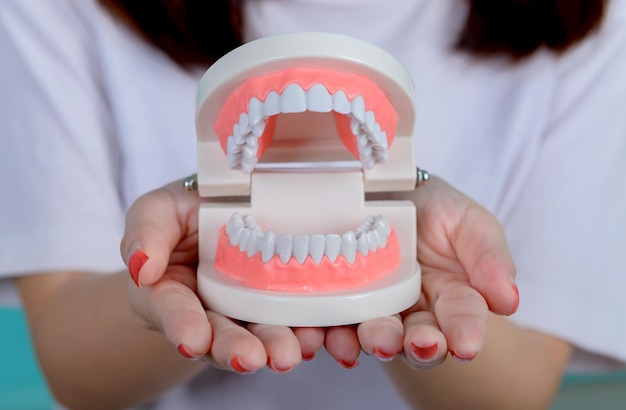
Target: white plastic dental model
(293, 130)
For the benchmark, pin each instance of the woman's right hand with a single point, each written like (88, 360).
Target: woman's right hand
(160, 249)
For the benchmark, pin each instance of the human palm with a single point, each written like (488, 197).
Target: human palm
(466, 271)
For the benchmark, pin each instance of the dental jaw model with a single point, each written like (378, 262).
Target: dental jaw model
(293, 130)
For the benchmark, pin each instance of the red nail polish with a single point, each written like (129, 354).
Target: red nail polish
(382, 355)
(135, 263)
(308, 357)
(277, 369)
(459, 358)
(348, 365)
(235, 364)
(424, 353)
(182, 349)
(516, 306)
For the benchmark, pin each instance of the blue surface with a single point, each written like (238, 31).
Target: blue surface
(22, 386)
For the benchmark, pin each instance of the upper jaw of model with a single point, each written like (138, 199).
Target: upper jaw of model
(364, 118)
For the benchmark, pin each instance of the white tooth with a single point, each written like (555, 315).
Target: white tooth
(341, 103)
(244, 123)
(361, 243)
(247, 164)
(383, 223)
(258, 129)
(252, 142)
(255, 104)
(362, 140)
(268, 246)
(249, 221)
(243, 240)
(377, 130)
(372, 241)
(316, 247)
(233, 162)
(254, 244)
(293, 99)
(332, 247)
(318, 99)
(234, 220)
(370, 120)
(348, 246)
(355, 126)
(300, 247)
(383, 139)
(231, 146)
(367, 223)
(381, 238)
(358, 108)
(271, 106)
(249, 152)
(234, 237)
(255, 117)
(239, 139)
(284, 247)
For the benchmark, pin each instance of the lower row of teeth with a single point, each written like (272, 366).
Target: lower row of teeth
(243, 232)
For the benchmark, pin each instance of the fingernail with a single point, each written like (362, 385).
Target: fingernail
(346, 364)
(277, 369)
(236, 366)
(460, 358)
(424, 352)
(135, 263)
(516, 306)
(182, 349)
(382, 355)
(308, 357)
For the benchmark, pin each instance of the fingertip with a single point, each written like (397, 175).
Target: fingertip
(136, 261)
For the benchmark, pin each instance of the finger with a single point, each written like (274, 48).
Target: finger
(155, 225)
(424, 345)
(342, 343)
(311, 340)
(462, 314)
(172, 307)
(281, 345)
(454, 228)
(482, 248)
(381, 337)
(234, 348)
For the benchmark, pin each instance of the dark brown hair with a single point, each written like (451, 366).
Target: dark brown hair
(517, 28)
(191, 32)
(185, 29)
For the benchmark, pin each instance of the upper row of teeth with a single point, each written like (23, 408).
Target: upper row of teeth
(243, 232)
(242, 145)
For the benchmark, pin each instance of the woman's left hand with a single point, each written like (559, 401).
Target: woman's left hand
(467, 271)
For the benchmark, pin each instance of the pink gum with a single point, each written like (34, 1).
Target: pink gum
(293, 277)
(350, 83)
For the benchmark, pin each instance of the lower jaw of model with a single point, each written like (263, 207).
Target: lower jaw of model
(306, 263)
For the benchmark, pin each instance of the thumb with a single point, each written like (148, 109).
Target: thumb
(155, 224)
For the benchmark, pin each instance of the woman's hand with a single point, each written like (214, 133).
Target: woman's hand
(160, 250)
(467, 271)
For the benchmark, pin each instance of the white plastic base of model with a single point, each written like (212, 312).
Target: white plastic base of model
(390, 295)
(309, 203)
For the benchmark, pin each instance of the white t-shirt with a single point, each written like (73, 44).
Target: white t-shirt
(93, 117)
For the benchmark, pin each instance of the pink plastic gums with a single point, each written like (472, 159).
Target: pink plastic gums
(309, 276)
(351, 84)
